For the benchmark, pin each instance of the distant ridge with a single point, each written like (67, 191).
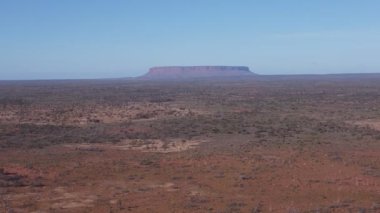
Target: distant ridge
(190, 72)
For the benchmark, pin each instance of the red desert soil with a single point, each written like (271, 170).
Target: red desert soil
(266, 145)
(272, 180)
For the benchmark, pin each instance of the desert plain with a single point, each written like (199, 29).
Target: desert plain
(254, 144)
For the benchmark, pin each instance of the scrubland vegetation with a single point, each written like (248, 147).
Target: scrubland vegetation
(261, 144)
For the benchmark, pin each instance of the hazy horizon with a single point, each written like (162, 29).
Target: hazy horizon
(111, 39)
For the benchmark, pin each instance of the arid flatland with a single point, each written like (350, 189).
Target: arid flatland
(257, 144)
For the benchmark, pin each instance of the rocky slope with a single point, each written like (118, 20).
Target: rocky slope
(181, 72)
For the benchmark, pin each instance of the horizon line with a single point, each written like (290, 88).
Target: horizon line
(136, 77)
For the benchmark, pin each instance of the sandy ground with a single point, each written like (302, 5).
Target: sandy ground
(238, 146)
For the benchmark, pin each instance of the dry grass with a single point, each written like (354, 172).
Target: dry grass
(296, 144)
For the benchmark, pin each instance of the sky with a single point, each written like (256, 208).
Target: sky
(52, 39)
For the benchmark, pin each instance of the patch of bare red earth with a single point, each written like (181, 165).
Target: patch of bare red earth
(265, 179)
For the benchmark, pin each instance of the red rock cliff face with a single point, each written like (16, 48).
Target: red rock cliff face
(197, 72)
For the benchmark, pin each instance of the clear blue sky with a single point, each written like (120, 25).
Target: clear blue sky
(117, 38)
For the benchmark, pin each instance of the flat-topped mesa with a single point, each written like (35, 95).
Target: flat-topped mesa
(185, 72)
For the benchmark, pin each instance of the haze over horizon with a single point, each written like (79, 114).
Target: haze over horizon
(72, 39)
